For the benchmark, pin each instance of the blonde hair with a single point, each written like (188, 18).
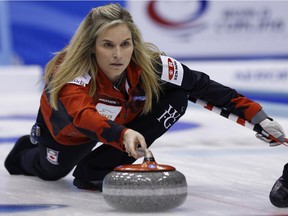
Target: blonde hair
(76, 58)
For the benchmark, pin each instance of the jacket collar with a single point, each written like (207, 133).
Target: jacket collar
(133, 73)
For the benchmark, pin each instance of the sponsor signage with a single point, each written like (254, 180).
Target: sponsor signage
(214, 29)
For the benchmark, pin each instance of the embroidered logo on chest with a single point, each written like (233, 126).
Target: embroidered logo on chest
(108, 111)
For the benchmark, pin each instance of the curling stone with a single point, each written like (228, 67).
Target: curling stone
(146, 187)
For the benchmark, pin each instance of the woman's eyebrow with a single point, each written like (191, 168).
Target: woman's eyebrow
(107, 40)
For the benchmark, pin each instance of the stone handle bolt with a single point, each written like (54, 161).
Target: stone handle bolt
(148, 156)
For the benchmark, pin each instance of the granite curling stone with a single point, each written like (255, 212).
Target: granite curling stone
(146, 187)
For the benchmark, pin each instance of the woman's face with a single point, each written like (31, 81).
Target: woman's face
(113, 50)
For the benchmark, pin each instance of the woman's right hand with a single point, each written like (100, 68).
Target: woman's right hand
(131, 140)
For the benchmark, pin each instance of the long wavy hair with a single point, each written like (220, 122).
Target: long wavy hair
(76, 58)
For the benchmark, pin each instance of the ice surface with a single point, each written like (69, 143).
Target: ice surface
(228, 170)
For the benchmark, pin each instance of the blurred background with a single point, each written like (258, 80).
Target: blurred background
(242, 44)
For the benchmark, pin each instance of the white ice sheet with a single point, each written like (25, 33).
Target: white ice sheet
(228, 171)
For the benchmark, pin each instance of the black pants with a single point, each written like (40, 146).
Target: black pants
(52, 161)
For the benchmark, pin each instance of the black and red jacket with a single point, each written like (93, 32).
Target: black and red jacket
(81, 118)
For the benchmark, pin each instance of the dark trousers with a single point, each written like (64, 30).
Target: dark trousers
(93, 164)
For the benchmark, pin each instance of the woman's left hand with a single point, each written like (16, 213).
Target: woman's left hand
(274, 129)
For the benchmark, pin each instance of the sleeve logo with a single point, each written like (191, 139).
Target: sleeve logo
(172, 70)
(81, 80)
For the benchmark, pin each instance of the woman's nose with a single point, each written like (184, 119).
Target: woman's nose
(117, 52)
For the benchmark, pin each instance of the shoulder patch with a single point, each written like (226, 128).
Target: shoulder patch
(172, 70)
(81, 80)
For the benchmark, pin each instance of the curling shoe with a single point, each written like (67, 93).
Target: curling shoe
(88, 185)
(279, 194)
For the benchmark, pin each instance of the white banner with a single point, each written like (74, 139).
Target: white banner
(248, 76)
(214, 29)
(24, 79)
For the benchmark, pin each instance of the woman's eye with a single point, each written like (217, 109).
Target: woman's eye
(108, 45)
(126, 43)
